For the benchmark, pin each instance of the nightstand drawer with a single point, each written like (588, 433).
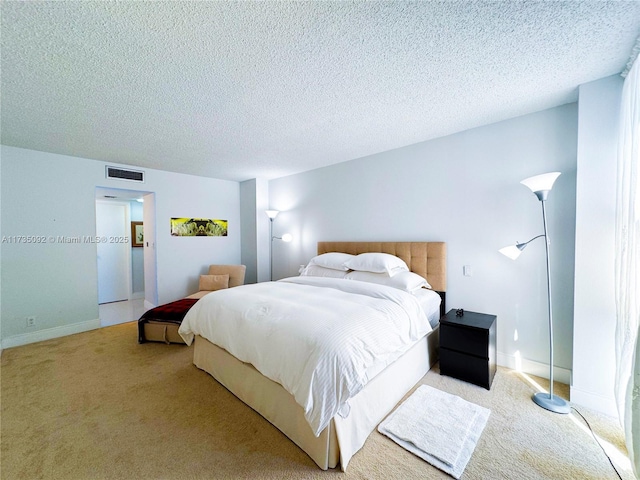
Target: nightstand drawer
(466, 367)
(463, 339)
(468, 347)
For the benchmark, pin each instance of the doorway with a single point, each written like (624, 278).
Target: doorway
(126, 269)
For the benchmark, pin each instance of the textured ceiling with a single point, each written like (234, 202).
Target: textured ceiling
(239, 90)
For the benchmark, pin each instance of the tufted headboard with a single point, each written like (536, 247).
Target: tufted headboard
(427, 259)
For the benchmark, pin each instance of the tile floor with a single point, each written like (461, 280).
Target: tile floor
(121, 312)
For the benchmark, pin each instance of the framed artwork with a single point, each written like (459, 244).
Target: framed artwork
(137, 234)
(198, 227)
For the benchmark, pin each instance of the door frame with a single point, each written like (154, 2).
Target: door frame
(149, 220)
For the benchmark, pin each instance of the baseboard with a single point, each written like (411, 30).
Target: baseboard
(606, 405)
(49, 333)
(531, 367)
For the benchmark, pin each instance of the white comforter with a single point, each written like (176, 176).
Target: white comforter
(317, 337)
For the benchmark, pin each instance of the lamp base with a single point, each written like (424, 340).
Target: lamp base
(552, 403)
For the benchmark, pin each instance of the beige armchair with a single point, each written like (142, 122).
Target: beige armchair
(219, 277)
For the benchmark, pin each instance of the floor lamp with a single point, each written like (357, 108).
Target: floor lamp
(541, 185)
(287, 237)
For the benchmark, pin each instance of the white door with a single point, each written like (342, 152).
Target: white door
(113, 256)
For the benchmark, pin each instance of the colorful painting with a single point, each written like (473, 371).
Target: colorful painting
(198, 227)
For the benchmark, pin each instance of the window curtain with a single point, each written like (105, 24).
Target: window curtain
(627, 267)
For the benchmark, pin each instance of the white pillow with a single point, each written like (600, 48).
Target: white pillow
(407, 281)
(377, 263)
(318, 271)
(333, 260)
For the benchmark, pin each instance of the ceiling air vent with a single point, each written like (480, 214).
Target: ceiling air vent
(130, 175)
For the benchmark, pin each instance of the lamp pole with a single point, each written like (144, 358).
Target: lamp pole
(546, 244)
(540, 185)
(287, 237)
(549, 401)
(271, 214)
(270, 249)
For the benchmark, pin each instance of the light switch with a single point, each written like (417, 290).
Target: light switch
(466, 271)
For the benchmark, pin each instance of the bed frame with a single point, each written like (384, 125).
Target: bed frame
(342, 437)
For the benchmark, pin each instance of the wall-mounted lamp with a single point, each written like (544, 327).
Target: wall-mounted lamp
(541, 185)
(287, 237)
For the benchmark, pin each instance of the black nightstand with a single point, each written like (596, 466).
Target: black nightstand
(468, 347)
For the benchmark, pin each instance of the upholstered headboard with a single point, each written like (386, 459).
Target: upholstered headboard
(427, 259)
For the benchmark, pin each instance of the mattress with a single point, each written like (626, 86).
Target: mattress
(430, 302)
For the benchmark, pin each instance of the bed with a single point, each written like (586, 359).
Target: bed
(330, 441)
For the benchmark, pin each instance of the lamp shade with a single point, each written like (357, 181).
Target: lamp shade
(287, 237)
(272, 213)
(512, 251)
(541, 183)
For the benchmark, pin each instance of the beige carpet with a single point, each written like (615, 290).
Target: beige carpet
(99, 406)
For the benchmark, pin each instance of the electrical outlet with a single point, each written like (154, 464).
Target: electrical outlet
(31, 321)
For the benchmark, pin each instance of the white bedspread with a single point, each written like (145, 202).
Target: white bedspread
(317, 337)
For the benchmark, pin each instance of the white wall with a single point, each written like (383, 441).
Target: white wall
(254, 201)
(149, 252)
(462, 189)
(248, 212)
(594, 301)
(262, 230)
(51, 195)
(137, 256)
(1, 243)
